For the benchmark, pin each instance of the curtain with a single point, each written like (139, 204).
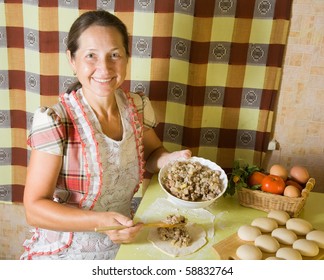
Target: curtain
(211, 68)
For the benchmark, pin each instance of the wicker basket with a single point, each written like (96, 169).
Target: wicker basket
(266, 201)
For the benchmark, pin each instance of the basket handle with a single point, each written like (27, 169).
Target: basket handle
(308, 188)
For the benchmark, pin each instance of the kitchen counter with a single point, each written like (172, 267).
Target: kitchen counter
(229, 216)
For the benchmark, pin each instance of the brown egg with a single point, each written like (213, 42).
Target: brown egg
(299, 174)
(294, 183)
(291, 191)
(279, 170)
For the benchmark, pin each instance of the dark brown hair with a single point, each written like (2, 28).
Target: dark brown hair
(84, 21)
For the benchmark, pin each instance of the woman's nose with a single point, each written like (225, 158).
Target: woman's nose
(106, 64)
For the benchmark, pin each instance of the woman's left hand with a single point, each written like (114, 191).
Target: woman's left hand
(179, 154)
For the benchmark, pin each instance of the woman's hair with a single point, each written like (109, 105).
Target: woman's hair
(84, 21)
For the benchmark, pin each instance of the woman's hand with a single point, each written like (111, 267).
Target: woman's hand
(156, 155)
(126, 235)
(179, 154)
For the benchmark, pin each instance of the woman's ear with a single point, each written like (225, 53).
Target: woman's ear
(71, 61)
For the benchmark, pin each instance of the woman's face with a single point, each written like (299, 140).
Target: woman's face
(100, 62)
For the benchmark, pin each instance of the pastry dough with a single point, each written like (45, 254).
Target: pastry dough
(299, 226)
(281, 217)
(267, 243)
(248, 233)
(198, 240)
(288, 253)
(317, 236)
(306, 247)
(248, 252)
(265, 224)
(284, 236)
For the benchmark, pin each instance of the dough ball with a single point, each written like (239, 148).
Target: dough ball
(307, 248)
(249, 252)
(248, 233)
(267, 243)
(288, 253)
(299, 226)
(281, 217)
(272, 258)
(284, 236)
(317, 236)
(265, 224)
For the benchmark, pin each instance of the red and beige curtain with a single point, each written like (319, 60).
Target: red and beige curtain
(212, 69)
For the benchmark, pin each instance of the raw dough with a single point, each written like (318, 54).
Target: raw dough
(317, 236)
(299, 226)
(284, 236)
(265, 224)
(288, 253)
(273, 258)
(267, 243)
(306, 247)
(198, 240)
(248, 233)
(281, 217)
(248, 252)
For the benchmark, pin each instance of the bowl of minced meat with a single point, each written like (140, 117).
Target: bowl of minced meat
(192, 183)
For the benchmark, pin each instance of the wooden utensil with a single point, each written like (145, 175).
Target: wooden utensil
(154, 224)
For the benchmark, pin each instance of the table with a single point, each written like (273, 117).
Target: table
(232, 214)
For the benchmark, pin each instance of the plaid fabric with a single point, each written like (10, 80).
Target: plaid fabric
(211, 69)
(60, 130)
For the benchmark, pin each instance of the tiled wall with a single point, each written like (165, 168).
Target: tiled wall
(299, 123)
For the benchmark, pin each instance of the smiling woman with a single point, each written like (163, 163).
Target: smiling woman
(96, 143)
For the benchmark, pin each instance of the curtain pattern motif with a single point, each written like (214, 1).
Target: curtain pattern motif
(212, 69)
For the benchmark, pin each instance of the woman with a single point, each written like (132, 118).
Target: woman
(89, 150)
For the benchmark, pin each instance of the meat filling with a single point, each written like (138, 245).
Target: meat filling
(178, 235)
(192, 181)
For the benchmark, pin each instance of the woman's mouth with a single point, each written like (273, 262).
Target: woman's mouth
(102, 80)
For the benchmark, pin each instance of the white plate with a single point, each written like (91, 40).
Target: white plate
(194, 204)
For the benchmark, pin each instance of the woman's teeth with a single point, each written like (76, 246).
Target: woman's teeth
(102, 80)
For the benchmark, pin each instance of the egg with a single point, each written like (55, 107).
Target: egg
(294, 183)
(291, 191)
(279, 170)
(299, 174)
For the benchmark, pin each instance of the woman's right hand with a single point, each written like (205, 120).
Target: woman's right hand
(125, 235)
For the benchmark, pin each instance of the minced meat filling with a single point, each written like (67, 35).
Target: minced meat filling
(178, 235)
(192, 181)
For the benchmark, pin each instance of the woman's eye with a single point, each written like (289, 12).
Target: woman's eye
(115, 55)
(90, 55)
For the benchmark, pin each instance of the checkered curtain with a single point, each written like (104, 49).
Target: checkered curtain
(212, 69)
